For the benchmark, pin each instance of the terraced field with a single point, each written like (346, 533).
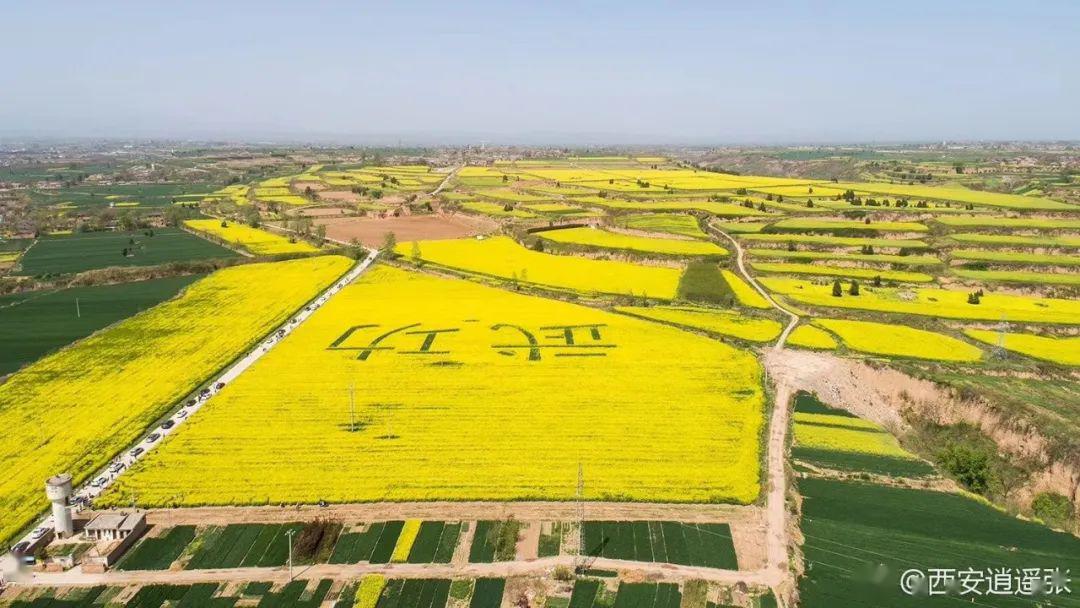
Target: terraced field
(503, 258)
(722, 322)
(1065, 351)
(924, 301)
(603, 239)
(670, 223)
(834, 439)
(899, 341)
(842, 271)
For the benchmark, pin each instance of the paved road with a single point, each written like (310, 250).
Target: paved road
(104, 478)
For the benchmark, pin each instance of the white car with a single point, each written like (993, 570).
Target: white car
(38, 533)
(100, 481)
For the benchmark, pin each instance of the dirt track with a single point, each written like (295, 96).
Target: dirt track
(371, 230)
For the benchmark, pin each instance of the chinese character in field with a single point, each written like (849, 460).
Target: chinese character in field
(565, 340)
(425, 346)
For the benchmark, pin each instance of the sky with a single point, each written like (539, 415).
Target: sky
(541, 71)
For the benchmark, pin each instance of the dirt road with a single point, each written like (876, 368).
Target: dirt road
(354, 571)
(793, 319)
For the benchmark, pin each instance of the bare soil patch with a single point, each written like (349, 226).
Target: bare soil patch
(325, 211)
(370, 230)
(339, 196)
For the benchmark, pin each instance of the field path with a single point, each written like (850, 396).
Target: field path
(793, 318)
(777, 572)
(446, 181)
(354, 571)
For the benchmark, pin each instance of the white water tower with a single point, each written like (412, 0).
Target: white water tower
(58, 489)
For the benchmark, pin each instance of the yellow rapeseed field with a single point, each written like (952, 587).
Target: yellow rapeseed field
(371, 588)
(259, 242)
(947, 303)
(1059, 350)
(808, 336)
(900, 341)
(604, 239)
(504, 258)
(845, 434)
(723, 322)
(744, 292)
(462, 392)
(73, 410)
(405, 541)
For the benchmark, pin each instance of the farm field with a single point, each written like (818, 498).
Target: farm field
(822, 225)
(498, 210)
(1058, 350)
(841, 271)
(925, 301)
(853, 527)
(962, 195)
(254, 240)
(894, 340)
(834, 439)
(838, 241)
(372, 230)
(1012, 257)
(670, 223)
(710, 207)
(744, 292)
(98, 396)
(808, 336)
(873, 258)
(91, 250)
(723, 322)
(35, 323)
(440, 335)
(504, 258)
(706, 545)
(1011, 222)
(1005, 240)
(603, 239)
(1016, 276)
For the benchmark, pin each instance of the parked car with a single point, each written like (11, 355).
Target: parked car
(21, 548)
(100, 481)
(135, 453)
(39, 532)
(168, 424)
(219, 386)
(191, 402)
(153, 437)
(116, 467)
(182, 414)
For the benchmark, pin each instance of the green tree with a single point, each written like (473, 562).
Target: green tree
(837, 289)
(854, 289)
(389, 242)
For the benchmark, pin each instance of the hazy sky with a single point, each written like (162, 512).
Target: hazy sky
(542, 71)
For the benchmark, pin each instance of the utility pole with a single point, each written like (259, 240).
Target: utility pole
(352, 407)
(290, 535)
(582, 549)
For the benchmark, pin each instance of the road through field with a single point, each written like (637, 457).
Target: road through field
(793, 319)
(777, 573)
(355, 571)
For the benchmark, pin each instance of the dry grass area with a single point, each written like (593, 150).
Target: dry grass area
(370, 231)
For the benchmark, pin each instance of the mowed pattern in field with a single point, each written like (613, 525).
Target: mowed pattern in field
(467, 392)
(88, 251)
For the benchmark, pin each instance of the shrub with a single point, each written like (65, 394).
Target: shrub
(1053, 508)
